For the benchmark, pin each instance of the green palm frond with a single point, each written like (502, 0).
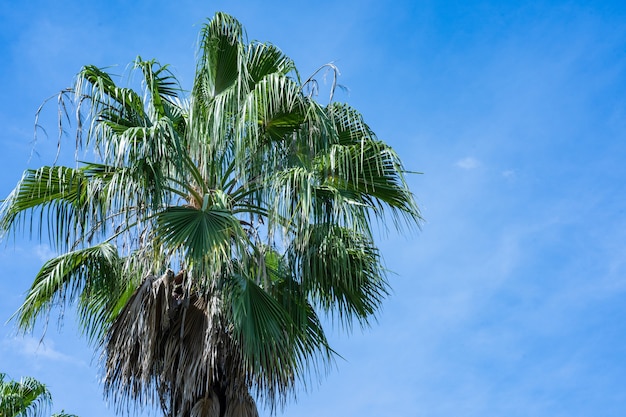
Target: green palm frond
(261, 325)
(369, 172)
(25, 398)
(199, 233)
(311, 347)
(109, 106)
(265, 59)
(361, 163)
(290, 199)
(341, 271)
(221, 50)
(91, 275)
(276, 105)
(161, 84)
(68, 201)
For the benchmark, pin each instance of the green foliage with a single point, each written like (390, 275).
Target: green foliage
(25, 398)
(262, 197)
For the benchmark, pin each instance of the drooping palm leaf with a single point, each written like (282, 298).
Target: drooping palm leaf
(68, 199)
(91, 276)
(342, 272)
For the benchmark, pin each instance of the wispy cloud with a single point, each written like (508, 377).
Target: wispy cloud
(509, 173)
(44, 252)
(468, 163)
(34, 349)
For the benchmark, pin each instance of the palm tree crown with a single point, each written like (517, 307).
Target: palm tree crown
(25, 398)
(262, 201)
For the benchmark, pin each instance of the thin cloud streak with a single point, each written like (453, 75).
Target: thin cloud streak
(468, 163)
(39, 350)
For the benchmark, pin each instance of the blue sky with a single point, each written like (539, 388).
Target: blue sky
(510, 301)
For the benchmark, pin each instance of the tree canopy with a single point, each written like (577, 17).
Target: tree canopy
(25, 398)
(212, 230)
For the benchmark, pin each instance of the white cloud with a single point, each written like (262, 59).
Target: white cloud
(44, 252)
(509, 173)
(35, 349)
(468, 163)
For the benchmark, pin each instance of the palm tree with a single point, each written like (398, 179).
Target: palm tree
(215, 229)
(25, 398)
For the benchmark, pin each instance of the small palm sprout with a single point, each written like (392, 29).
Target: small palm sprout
(213, 230)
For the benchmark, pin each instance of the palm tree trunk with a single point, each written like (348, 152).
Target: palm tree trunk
(176, 341)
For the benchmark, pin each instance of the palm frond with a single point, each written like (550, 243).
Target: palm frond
(265, 59)
(91, 275)
(160, 84)
(341, 271)
(261, 327)
(68, 200)
(106, 105)
(25, 398)
(220, 52)
(199, 233)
